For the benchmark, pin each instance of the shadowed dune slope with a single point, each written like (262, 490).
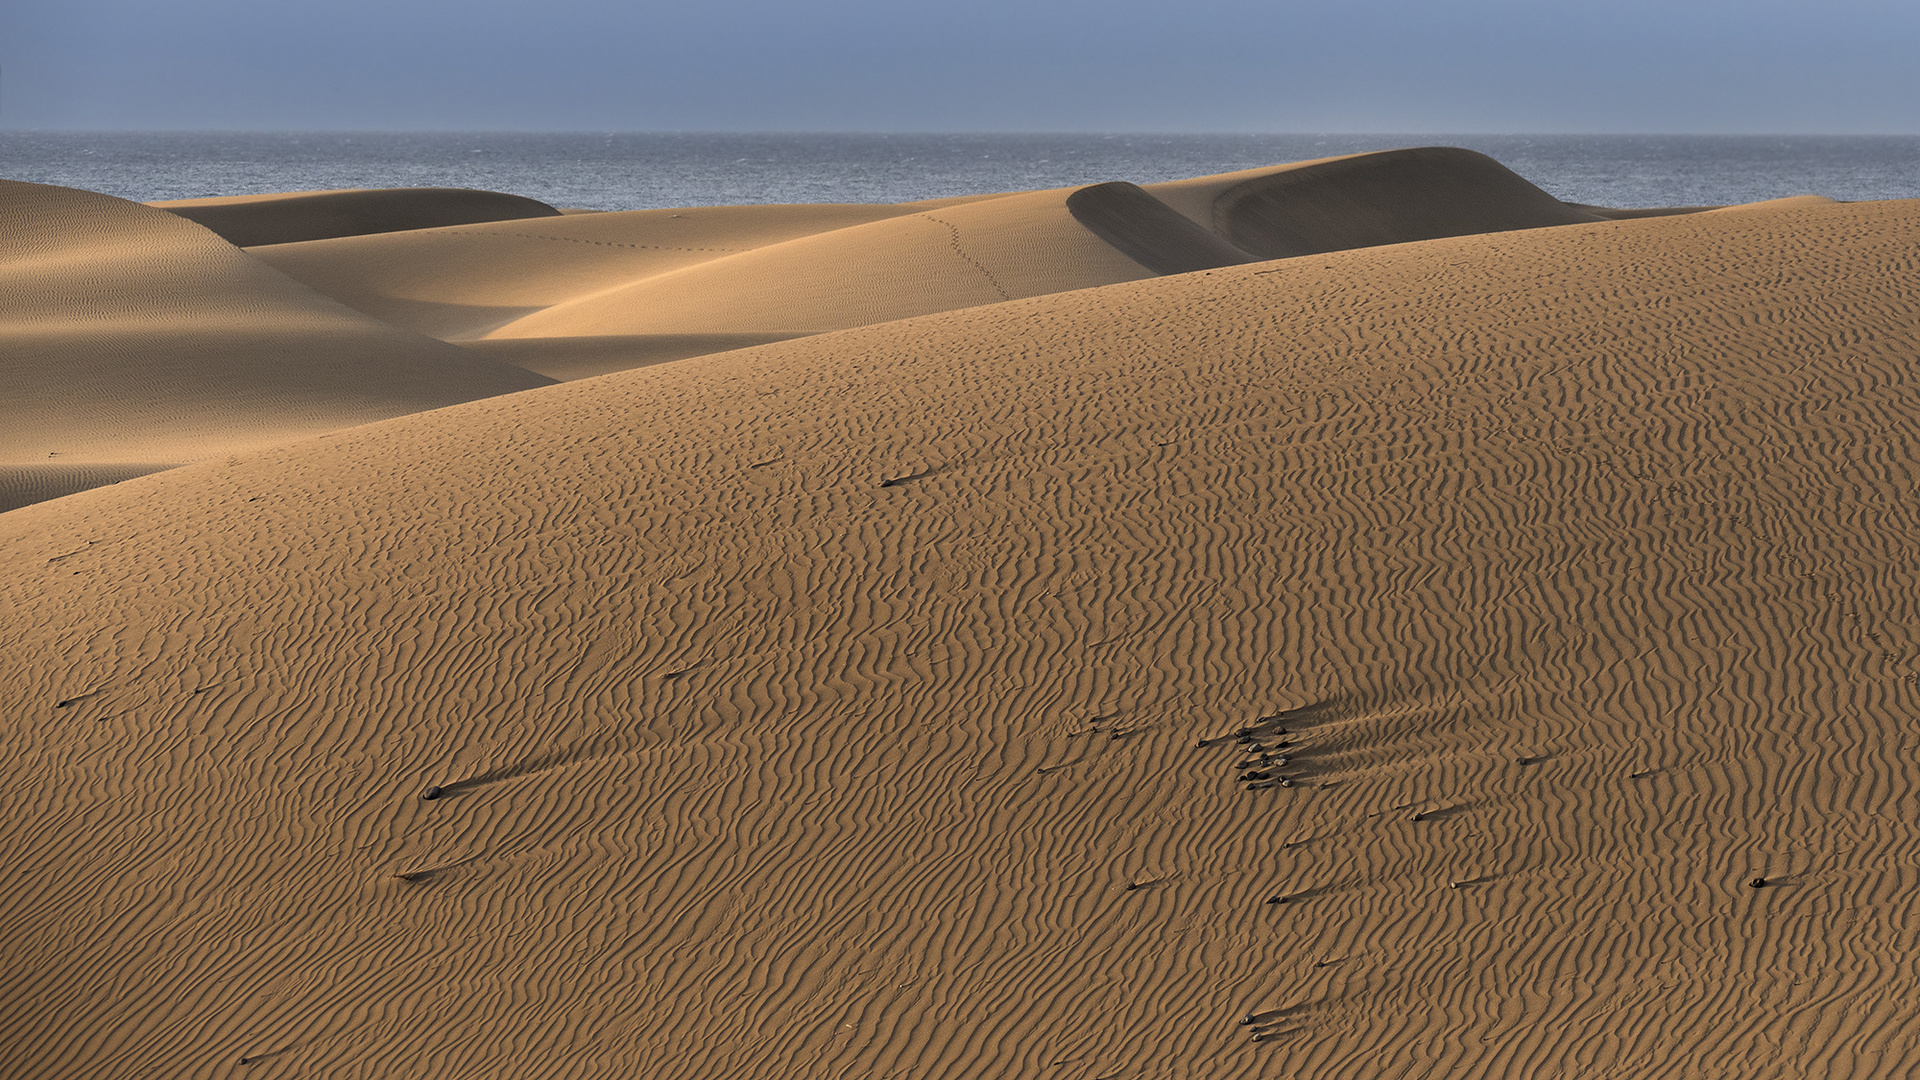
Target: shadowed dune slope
(246, 220)
(130, 335)
(24, 485)
(861, 705)
(953, 256)
(458, 283)
(1149, 231)
(1365, 200)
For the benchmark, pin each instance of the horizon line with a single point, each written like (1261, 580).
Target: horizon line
(947, 132)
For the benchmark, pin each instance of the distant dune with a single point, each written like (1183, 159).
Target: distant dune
(903, 265)
(460, 283)
(247, 220)
(1488, 655)
(1365, 200)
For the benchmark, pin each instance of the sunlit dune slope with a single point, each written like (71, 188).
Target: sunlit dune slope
(131, 337)
(458, 283)
(863, 705)
(247, 220)
(955, 256)
(1788, 203)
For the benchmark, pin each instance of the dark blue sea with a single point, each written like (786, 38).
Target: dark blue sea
(639, 170)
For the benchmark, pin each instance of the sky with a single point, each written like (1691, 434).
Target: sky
(1400, 66)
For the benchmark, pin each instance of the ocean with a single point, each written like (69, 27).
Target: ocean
(631, 171)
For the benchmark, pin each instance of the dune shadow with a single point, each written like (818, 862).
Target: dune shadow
(536, 764)
(1300, 896)
(1149, 231)
(427, 874)
(1391, 197)
(1444, 813)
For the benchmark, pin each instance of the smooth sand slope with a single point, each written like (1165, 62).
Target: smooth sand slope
(131, 338)
(459, 283)
(862, 705)
(957, 256)
(582, 295)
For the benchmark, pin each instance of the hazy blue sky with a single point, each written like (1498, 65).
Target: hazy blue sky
(1838, 66)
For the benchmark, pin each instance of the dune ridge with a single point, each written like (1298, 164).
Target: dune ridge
(1149, 231)
(1366, 200)
(865, 704)
(978, 252)
(782, 271)
(747, 270)
(248, 220)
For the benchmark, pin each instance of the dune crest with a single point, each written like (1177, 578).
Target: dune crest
(978, 252)
(248, 220)
(459, 283)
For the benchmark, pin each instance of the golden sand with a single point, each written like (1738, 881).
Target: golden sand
(865, 704)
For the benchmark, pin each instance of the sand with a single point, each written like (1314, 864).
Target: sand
(131, 338)
(247, 220)
(864, 704)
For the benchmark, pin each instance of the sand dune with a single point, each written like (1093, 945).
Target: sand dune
(1149, 231)
(761, 271)
(247, 220)
(129, 335)
(955, 256)
(769, 271)
(458, 283)
(1365, 200)
(863, 705)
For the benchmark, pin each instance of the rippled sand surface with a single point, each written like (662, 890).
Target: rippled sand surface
(1476, 654)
